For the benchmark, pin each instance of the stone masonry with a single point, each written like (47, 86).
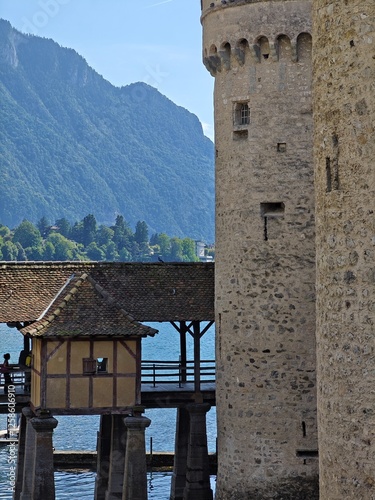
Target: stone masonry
(344, 110)
(260, 55)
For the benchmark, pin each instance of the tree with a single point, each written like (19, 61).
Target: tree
(123, 236)
(188, 250)
(176, 250)
(64, 227)
(154, 240)
(141, 232)
(4, 231)
(27, 235)
(104, 235)
(49, 251)
(125, 255)
(93, 252)
(21, 253)
(165, 245)
(44, 226)
(76, 232)
(111, 252)
(64, 248)
(9, 251)
(89, 229)
(34, 253)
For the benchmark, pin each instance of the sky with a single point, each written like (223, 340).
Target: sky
(127, 41)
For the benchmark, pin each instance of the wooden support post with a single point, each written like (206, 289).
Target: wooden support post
(197, 357)
(183, 330)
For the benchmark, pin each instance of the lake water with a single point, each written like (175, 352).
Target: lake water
(79, 432)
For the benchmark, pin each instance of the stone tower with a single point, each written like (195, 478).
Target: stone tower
(260, 55)
(344, 110)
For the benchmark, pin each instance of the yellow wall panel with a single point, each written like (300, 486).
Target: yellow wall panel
(56, 355)
(103, 392)
(56, 391)
(79, 350)
(126, 391)
(36, 354)
(125, 362)
(79, 392)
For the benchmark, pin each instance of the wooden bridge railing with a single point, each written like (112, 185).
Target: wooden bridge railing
(20, 379)
(171, 372)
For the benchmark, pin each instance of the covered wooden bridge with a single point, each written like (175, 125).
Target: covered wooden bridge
(74, 307)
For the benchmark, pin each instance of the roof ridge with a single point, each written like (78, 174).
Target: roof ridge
(107, 297)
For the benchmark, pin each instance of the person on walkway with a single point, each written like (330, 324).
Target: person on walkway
(24, 362)
(5, 370)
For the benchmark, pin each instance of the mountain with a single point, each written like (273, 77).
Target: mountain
(72, 144)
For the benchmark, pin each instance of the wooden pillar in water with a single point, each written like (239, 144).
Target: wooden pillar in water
(181, 454)
(117, 458)
(197, 357)
(104, 451)
(198, 470)
(183, 355)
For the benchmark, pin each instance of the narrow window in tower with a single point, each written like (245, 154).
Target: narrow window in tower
(328, 175)
(271, 214)
(265, 230)
(245, 114)
(336, 184)
(241, 114)
(281, 147)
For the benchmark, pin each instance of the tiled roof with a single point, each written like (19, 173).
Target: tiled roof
(84, 308)
(148, 292)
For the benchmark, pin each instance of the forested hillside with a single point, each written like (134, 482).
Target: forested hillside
(73, 144)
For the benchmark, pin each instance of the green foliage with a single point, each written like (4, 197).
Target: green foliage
(27, 235)
(72, 144)
(115, 243)
(9, 251)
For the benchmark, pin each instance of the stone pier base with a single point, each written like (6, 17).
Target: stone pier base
(198, 470)
(135, 479)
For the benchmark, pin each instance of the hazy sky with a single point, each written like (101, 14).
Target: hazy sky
(155, 41)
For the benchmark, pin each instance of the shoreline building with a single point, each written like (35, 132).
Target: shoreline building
(259, 53)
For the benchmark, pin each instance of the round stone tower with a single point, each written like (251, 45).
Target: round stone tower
(260, 55)
(344, 110)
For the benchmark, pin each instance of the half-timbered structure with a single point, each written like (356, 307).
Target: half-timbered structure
(84, 324)
(86, 353)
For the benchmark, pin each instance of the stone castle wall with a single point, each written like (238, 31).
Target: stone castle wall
(344, 109)
(260, 56)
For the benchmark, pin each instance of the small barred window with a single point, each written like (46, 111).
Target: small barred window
(245, 114)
